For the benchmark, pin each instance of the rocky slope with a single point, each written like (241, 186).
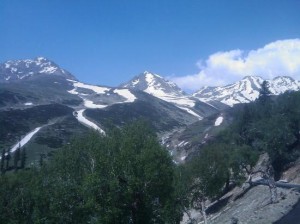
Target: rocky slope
(247, 205)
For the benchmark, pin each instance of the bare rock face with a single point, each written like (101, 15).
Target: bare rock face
(253, 204)
(292, 174)
(254, 207)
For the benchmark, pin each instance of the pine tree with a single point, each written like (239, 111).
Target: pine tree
(17, 155)
(209, 173)
(8, 157)
(41, 161)
(2, 162)
(264, 92)
(23, 158)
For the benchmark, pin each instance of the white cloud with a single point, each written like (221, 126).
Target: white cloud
(277, 58)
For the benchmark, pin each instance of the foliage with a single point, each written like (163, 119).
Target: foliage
(123, 177)
(268, 125)
(209, 171)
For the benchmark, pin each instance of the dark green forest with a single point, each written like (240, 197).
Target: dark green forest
(126, 176)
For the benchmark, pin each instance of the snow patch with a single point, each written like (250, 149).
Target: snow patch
(80, 117)
(23, 76)
(73, 91)
(25, 140)
(191, 112)
(219, 121)
(91, 104)
(96, 89)
(135, 82)
(126, 94)
(181, 144)
(50, 69)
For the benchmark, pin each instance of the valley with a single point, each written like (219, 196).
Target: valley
(44, 109)
(149, 112)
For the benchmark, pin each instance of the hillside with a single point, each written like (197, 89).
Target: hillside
(33, 91)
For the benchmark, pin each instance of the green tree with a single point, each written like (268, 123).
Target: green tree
(8, 157)
(242, 159)
(2, 169)
(210, 171)
(123, 177)
(23, 158)
(264, 91)
(16, 158)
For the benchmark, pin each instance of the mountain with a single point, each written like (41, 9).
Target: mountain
(44, 106)
(246, 90)
(22, 69)
(155, 85)
(37, 96)
(168, 91)
(36, 90)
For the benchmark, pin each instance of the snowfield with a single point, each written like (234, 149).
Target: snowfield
(73, 91)
(96, 89)
(191, 112)
(25, 140)
(80, 117)
(89, 103)
(126, 94)
(92, 105)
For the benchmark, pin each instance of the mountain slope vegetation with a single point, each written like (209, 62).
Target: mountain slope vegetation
(124, 177)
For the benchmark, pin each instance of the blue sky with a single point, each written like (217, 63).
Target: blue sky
(109, 41)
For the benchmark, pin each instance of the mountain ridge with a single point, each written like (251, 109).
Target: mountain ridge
(243, 91)
(159, 87)
(246, 90)
(14, 70)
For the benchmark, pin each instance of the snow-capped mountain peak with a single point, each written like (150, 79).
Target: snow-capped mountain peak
(242, 91)
(19, 69)
(281, 84)
(245, 90)
(154, 84)
(159, 87)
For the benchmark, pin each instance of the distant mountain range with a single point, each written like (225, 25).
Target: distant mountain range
(246, 90)
(37, 94)
(243, 91)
